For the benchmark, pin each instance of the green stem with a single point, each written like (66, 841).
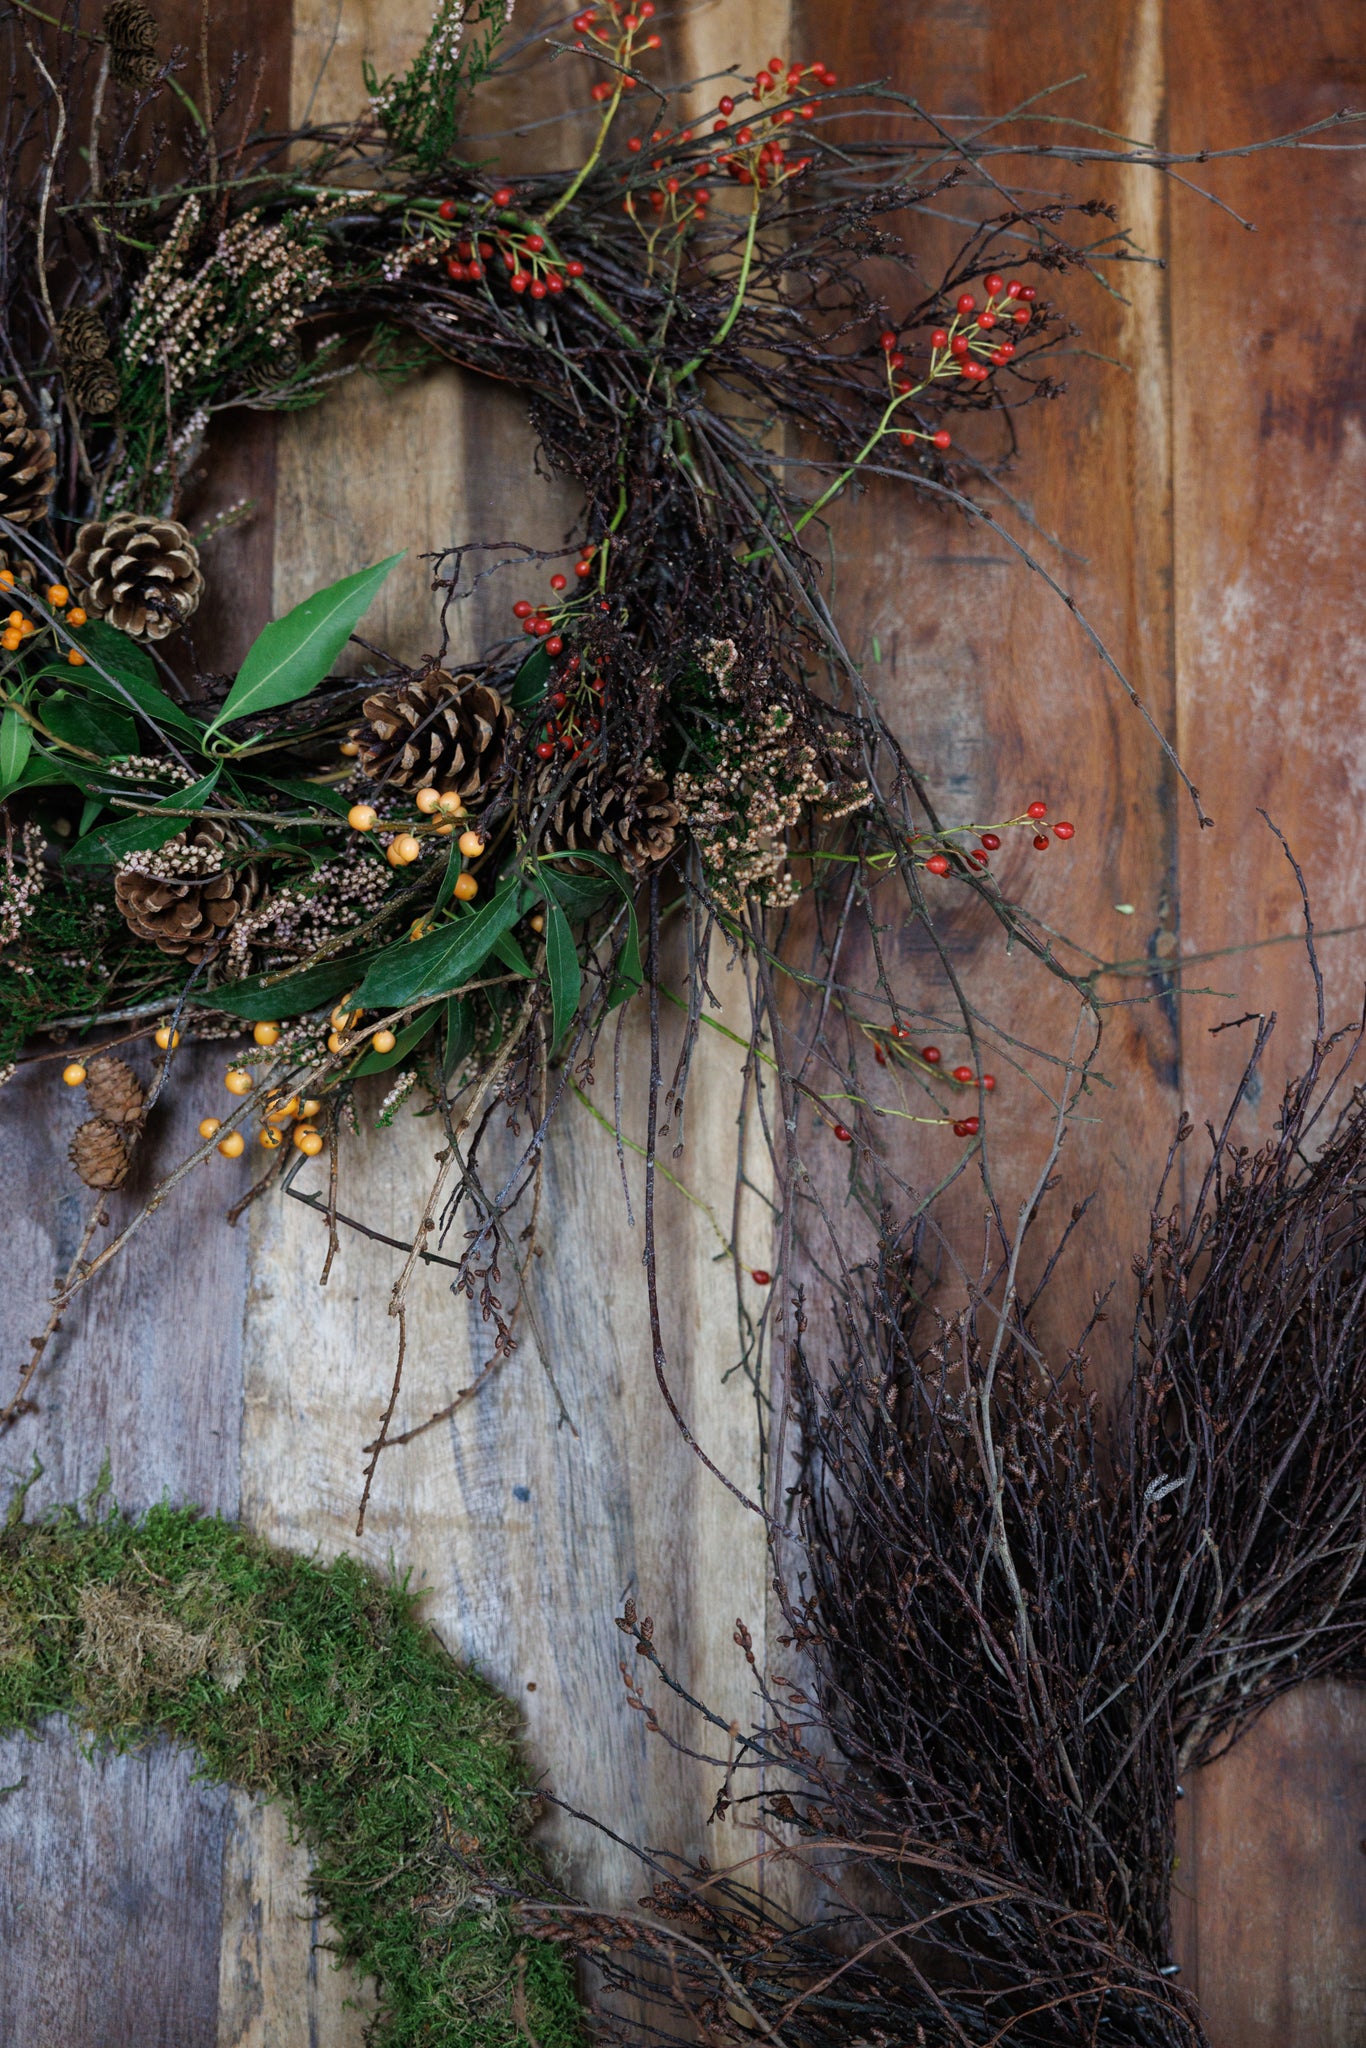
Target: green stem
(742, 286)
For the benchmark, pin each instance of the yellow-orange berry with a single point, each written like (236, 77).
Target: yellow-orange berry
(7, 578)
(76, 616)
(233, 1146)
(9, 639)
(471, 845)
(310, 1106)
(237, 1081)
(58, 594)
(405, 849)
(167, 1039)
(450, 804)
(350, 748)
(334, 1041)
(343, 1019)
(271, 1138)
(362, 817)
(283, 1112)
(28, 629)
(266, 1034)
(211, 1126)
(384, 1041)
(75, 657)
(309, 1142)
(427, 801)
(537, 922)
(74, 1074)
(16, 620)
(466, 887)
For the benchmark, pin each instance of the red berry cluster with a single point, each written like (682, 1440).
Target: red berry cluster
(680, 194)
(968, 349)
(614, 28)
(930, 1057)
(523, 253)
(758, 154)
(574, 701)
(979, 856)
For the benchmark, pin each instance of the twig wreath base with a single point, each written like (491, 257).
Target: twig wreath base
(313, 1684)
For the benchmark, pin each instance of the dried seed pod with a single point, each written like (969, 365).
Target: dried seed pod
(114, 1090)
(101, 1153)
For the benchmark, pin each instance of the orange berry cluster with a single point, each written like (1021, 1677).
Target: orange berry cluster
(438, 811)
(18, 627)
(292, 1117)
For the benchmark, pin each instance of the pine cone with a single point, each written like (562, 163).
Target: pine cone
(141, 574)
(184, 897)
(630, 817)
(441, 732)
(26, 464)
(94, 386)
(81, 337)
(114, 1090)
(130, 30)
(20, 568)
(101, 1154)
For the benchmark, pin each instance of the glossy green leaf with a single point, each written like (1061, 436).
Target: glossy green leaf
(16, 743)
(262, 998)
(630, 974)
(146, 833)
(510, 953)
(444, 960)
(320, 794)
(90, 723)
(459, 1035)
(405, 1040)
(134, 676)
(530, 683)
(294, 653)
(562, 964)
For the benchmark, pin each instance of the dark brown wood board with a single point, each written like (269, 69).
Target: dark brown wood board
(1210, 496)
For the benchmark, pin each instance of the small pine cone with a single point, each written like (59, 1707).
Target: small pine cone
(140, 573)
(81, 337)
(130, 30)
(185, 897)
(26, 464)
(440, 732)
(94, 387)
(101, 1153)
(114, 1090)
(630, 817)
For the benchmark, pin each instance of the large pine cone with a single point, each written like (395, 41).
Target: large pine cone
(632, 818)
(26, 464)
(101, 1153)
(184, 897)
(440, 732)
(141, 574)
(81, 337)
(130, 29)
(94, 387)
(114, 1090)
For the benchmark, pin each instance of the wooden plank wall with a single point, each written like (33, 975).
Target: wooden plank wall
(1213, 489)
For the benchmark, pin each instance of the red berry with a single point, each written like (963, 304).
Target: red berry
(583, 568)
(725, 105)
(519, 281)
(455, 268)
(545, 751)
(931, 1055)
(558, 699)
(474, 270)
(554, 645)
(1028, 293)
(960, 1129)
(1000, 355)
(1041, 843)
(447, 209)
(760, 1277)
(843, 1134)
(901, 1030)
(937, 864)
(528, 625)
(537, 288)
(1005, 351)
(744, 136)
(503, 196)
(1021, 318)
(986, 320)
(558, 582)
(963, 1075)
(486, 250)
(1062, 830)
(943, 439)
(966, 303)
(879, 1055)
(575, 268)
(977, 857)
(940, 338)
(896, 360)
(988, 1082)
(887, 340)
(523, 608)
(601, 91)
(960, 345)
(1014, 288)
(634, 145)
(541, 627)
(1037, 810)
(993, 284)
(991, 840)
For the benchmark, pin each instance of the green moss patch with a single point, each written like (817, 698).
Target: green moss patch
(314, 1684)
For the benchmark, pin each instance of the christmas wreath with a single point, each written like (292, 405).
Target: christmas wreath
(316, 1685)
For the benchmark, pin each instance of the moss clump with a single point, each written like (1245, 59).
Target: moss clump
(315, 1684)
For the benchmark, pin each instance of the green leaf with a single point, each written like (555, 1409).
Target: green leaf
(630, 974)
(146, 833)
(90, 810)
(16, 742)
(577, 895)
(444, 960)
(566, 976)
(132, 667)
(320, 793)
(263, 999)
(294, 653)
(511, 955)
(531, 679)
(404, 1041)
(459, 1034)
(98, 728)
